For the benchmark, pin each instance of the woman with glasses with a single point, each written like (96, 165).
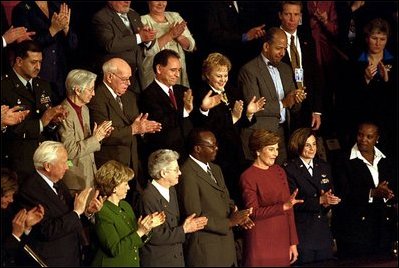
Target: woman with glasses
(75, 132)
(166, 245)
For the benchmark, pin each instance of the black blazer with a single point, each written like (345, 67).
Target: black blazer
(165, 247)
(310, 217)
(56, 237)
(312, 78)
(175, 128)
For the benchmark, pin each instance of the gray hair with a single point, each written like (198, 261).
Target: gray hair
(78, 78)
(160, 160)
(46, 153)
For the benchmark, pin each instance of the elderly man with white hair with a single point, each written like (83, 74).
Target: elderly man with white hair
(56, 237)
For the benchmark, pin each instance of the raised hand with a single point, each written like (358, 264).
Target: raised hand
(13, 116)
(208, 102)
(17, 34)
(177, 29)
(369, 72)
(239, 217)
(147, 34)
(142, 125)
(103, 130)
(188, 100)
(328, 198)
(65, 14)
(384, 70)
(300, 95)
(34, 216)
(382, 191)
(193, 224)
(255, 106)
(157, 218)
(18, 223)
(81, 200)
(96, 203)
(256, 32)
(237, 110)
(292, 201)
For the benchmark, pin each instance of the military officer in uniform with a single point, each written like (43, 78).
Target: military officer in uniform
(22, 87)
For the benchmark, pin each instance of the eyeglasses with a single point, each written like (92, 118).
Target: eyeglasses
(212, 146)
(123, 80)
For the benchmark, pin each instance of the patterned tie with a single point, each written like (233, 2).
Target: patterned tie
(60, 194)
(209, 171)
(172, 98)
(294, 53)
(119, 101)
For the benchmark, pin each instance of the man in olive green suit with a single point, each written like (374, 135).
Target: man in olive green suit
(202, 191)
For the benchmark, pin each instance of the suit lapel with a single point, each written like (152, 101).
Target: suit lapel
(267, 78)
(77, 127)
(313, 180)
(114, 105)
(52, 195)
(202, 175)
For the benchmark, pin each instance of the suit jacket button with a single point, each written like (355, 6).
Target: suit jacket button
(315, 195)
(363, 218)
(318, 216)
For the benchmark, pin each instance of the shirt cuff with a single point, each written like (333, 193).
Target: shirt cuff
(4, 42)
(206, 113)
(138, 38)
(41, 125)
(185, 113)
(16, 237)
(318, 113)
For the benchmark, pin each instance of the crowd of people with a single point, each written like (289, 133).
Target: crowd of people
(217, 132)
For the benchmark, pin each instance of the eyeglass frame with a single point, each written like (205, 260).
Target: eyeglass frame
(123, 80)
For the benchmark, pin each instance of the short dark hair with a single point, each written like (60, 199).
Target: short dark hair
(270, 34)
(194, 137)
(283, 3)
(162, 58)
(377, 25)
(21, 49)
(298, 140)
(261, 138)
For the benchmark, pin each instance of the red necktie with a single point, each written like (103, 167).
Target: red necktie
(172, 98)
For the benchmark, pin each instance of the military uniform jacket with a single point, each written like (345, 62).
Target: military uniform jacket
(22, 139)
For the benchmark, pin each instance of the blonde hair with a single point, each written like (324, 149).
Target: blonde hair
(212, 61)
(110, 175)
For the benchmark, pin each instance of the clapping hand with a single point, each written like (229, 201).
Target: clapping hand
(292, 201)
(188, 100)
(255, 106)
(103, 130)
(193, 224)
(208, 102)
(13, 116)
(142, 125)
(96, 203)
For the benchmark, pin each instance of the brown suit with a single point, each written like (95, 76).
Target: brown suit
(214, 245)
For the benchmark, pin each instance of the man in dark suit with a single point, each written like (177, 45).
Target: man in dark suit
(202, 191)
(113, 102)
(119, 33)
(305, 71)
(22, 87)
(165, 247)
(266, 76)
(56, 237)
(169, 104)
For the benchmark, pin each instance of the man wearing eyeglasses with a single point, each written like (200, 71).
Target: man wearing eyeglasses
(202, 190)
(113, 102)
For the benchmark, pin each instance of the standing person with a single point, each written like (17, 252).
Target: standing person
(75, 130)
(273, 241)
(266, 76)
(119, 33)
(312, 177)
(22, 87)
(113, 102)
(61, 226)
(51, 21)
(365, 222)
(225, 117)
(165, 248)
(168, 103)
(119, 233)
(203, 191)
(301, 56)
(172, 33)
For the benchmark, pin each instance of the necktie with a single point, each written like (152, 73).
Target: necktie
(172, 98)
(209, 171)
(29, 87)
(126, 21)
(60, 194)
(310, 169)
(294, 54)
(119, 101)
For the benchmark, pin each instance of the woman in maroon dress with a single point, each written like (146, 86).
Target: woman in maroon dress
(273, 240)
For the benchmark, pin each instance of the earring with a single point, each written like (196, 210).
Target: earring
(376, 141)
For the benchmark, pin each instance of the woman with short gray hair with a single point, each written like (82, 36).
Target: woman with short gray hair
(166, 245)
(75, 132)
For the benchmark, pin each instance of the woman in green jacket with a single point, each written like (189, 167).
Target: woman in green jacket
(119, 233)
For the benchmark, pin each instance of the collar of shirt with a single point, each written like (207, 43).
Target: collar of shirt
(47, 180)
(218, 91)
(23, 81)
(164, 87)
(162, 190)
(289, 37)
(267, 61)
(201, 164)
(355, 153)
(111, 91)
(306, 164)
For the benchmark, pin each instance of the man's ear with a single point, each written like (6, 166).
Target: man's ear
(158, 68)
(46, 167)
